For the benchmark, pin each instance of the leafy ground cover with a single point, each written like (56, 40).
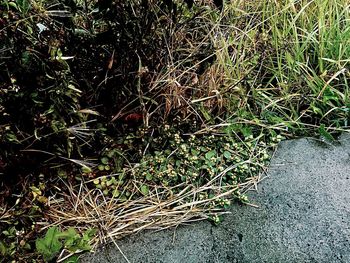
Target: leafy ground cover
(121, 116)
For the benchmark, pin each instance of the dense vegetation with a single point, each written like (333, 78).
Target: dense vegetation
(116, 112)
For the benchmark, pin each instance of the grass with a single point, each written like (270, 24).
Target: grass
(280, 66)
(249, 75)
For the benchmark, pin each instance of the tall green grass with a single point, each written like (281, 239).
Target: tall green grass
(294, 59)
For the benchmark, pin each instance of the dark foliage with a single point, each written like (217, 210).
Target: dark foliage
(66, 69)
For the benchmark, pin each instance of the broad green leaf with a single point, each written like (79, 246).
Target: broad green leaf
(49, 246)
(210, 154)
(74, 242)
(227, 154)
(104, 160)
(70, 233)
(85, 241)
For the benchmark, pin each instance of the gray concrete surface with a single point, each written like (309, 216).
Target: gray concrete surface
(303, 216)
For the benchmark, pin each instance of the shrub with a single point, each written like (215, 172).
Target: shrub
(67, 67)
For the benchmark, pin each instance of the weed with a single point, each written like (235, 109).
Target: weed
(54, 240)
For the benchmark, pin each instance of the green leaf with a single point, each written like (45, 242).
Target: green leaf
(210, 154)
(13, 4)
(49, 246)
(104, 160)
(204, 166)
(109, 183)
(247, 131)
(3, 250)
(178, 163)
(90, 233)
(205, 113)
(72, 239)
(326, 135)
(149, 177)
(86, 169)
(116, 193)
(328, 95)
(24, 5)
(85, 241)
(316, 109)
(72, 259)
(70, 233)
(74, 242)
(144, 189)
(194, 152)
(227, 154)
(79, 31)
(114, 181)
(110, 154)
(11, 137)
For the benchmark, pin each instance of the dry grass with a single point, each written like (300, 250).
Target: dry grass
(5, 214)
(178, 90)
(84, 208)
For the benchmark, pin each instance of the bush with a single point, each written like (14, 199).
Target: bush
(67, 67)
